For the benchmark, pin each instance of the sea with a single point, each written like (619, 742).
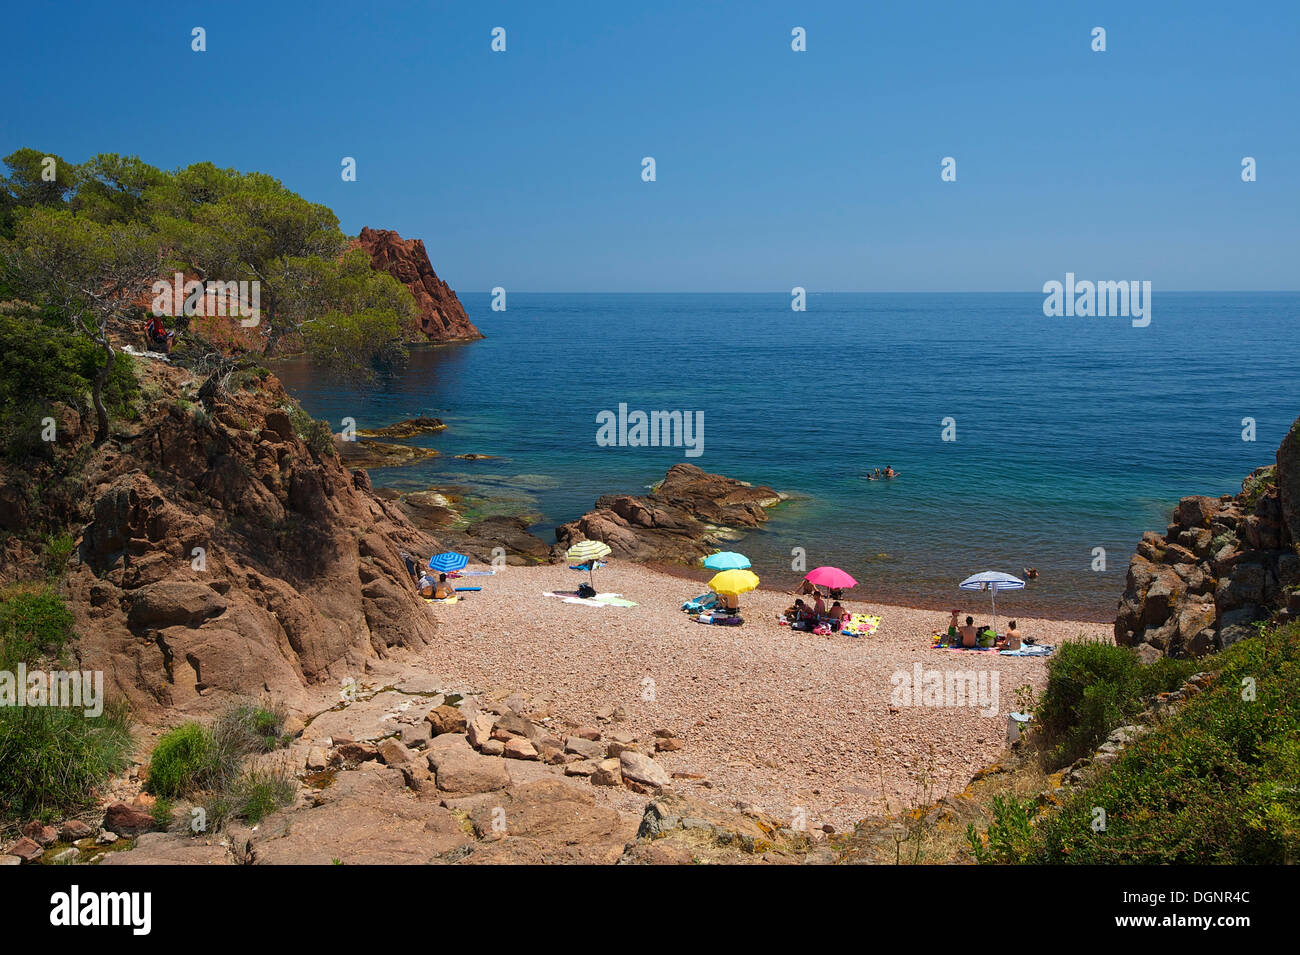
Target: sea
(1019, 440)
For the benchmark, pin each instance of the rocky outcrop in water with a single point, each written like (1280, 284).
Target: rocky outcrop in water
(687, 516)
(1221, 565)
(442, 317)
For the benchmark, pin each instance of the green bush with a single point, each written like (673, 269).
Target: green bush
(47, 364)
(315, 434)
(194, 758)
(1214, 783)
(181, 761)
(54, 758)
(1008, 837)
(1092, 688)
(58, 548)
(33, 624)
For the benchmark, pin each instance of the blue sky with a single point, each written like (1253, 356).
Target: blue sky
(775, 168)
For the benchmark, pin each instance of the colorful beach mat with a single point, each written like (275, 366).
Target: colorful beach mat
(860, 625)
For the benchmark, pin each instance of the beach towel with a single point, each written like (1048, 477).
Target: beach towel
(600, 600)
(478, 573)
(860, 625)
(701, 603)
(443, 600)
(1037, 650)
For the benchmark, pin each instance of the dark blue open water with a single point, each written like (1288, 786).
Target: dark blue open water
(1072, 433)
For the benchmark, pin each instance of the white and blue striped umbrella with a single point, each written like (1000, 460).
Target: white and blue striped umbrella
(993, 581)
(447, 561)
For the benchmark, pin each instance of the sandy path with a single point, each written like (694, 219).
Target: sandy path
(784, 721)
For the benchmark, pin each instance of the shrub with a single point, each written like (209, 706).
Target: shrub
(58, 548)
(53, 758)
(1008, 837)
(1214, 783)
(1092, 688)
(33, 624)
(315, 434)
(181, 762)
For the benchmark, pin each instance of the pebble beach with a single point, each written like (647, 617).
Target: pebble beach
(782, 721)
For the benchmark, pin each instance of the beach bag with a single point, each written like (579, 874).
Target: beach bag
(586, 591)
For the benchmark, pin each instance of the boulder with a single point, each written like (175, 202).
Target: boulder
(461, 770)
(128, 820)
(446, 719)
(394, 753)
(640, 771)
(25, 849)
(519, 748)
(608, 773)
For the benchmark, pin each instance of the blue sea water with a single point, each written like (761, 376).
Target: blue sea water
(1071, 433)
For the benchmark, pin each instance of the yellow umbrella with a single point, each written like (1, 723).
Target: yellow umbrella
(733, 582)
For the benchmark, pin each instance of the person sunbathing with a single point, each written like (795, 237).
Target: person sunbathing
(729, 602)
(819, 607)
(443, 590)
(426, 585)
(796, 611)
(838, 615)
(1011, 639)
(806, 588)
(969, 635)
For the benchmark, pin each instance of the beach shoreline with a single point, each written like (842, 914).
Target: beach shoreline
(783, 721)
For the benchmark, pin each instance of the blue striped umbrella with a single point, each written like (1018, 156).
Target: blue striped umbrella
(447, 561)
(727, 560)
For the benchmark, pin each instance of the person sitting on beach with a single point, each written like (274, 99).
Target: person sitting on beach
(796, 611)
(729, 602)
(819, 607)
(443, 590)
(426, 584)
(1011, 639)
(838, 615)
(969, 635)
(806, 588)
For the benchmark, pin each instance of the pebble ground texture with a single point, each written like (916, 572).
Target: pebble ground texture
(785, 721)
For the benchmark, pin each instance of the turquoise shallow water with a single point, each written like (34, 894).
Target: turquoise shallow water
(1072, 433)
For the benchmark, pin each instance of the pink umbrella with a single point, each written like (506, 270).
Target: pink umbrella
(830, 577)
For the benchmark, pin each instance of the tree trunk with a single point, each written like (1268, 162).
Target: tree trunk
(97, 393)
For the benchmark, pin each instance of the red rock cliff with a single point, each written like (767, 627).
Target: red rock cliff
(442, 317)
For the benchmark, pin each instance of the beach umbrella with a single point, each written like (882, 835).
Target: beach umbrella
(447, 562)
(727, 560)
(993, 581)
(588, 552)
(733, 582)
(832, 578)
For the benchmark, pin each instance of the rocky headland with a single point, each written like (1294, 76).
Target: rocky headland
(1222, 565)
(442, 318)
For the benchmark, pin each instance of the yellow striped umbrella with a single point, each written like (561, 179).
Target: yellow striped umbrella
(588, 552)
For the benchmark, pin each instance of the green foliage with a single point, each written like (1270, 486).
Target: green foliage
(163, 812)
(1215, 783)
(1092, 688)
(33, 624)
(1009, 834)
(260, 793)
(45, 366)
(1257, 485)
(194, 758)
(182, 760)
(54, 757)
(315, 434)
(58, 548)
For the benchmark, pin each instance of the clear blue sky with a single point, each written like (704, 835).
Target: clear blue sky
(775, 168)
